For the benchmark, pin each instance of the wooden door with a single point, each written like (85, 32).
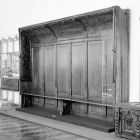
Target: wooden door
(63, 70)
(50, 66)
(38, 70)
(79, 70)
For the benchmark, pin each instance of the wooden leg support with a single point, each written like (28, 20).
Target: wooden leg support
(65, 107)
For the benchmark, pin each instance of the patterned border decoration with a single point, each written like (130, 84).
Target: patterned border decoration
(25, 69)
(137, 131)
(135, 127)
(117, 119)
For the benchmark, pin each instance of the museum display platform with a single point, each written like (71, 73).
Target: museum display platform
(98, 124)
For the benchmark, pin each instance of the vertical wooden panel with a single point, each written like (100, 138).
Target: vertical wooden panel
(63, 69)
(38, 70)
(50, 56)
(38, 101)
(109, 73)
(95, 77)
(79, 108)
(50, 104)
(96, 110)
(121, 43)
(117, 46)
(100, 74)
(125, 55)
(79, 70)
(95, 70)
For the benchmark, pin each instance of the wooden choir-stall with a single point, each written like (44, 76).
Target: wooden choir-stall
(77, 65)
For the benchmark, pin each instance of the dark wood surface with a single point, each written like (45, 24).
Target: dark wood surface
(121, 48)
(101, 124)
(25, 59)
(50, 70)
(16, 129)
(84, 57)
(63, 61)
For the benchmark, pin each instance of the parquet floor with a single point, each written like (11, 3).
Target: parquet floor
(15, 129)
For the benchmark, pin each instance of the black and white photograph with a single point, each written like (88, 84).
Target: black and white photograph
(69, 70)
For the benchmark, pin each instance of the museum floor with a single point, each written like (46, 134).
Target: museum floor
(15, 125)
(16, 129)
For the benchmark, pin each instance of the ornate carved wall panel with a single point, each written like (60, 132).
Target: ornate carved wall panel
(25, 60)
(127, 120)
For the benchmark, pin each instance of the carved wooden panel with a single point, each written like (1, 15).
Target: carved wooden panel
(96, 110)
(79, 108)
(95, 49)
(79, 70)
(38, 101)
(25, 69)
(50, 70)
(38, 70)
(108, 71)
(127, 120)
(50, 104)
(64, 70)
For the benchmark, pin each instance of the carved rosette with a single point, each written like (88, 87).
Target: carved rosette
(25, 69)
